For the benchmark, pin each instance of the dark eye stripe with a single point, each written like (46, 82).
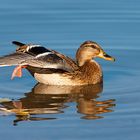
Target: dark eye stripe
(90, 45)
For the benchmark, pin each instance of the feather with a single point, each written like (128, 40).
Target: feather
(15, 59)
(18, 43)
(39, 57)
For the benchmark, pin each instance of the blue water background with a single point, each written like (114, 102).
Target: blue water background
(63, 25)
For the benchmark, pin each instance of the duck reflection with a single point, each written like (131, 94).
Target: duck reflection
(44, 99)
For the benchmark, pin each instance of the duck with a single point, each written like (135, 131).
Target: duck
(50, 67)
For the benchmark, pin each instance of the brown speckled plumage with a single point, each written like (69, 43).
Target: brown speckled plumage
(90, 73)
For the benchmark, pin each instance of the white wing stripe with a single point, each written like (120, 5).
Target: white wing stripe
(43, 54)
(32, 46)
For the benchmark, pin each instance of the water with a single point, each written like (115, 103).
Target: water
(43, 112)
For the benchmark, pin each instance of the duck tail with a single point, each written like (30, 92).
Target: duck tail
(18, 43)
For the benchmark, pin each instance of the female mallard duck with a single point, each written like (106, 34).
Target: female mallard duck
(53, 68)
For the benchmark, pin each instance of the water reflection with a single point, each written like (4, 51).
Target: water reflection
(47, 100)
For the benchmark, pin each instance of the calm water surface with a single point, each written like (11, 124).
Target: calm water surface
(108, 111)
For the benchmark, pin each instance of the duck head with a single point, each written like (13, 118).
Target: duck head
(90, 50)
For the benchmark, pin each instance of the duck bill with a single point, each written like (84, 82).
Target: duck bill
(106, 57)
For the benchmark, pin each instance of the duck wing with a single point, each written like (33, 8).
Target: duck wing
(70, 63)
(38, 56)
(17, 58)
